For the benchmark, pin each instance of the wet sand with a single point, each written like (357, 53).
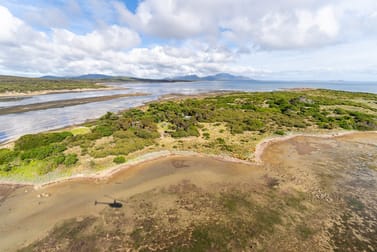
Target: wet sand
(62, 103)
(29, 214)
(12, 95)
(303, 163)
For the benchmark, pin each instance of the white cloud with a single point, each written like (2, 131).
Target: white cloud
(176, 37)
(9, 23)
(110, 38)
(266, 24)
(14, 31)
(164, 18)
(109, 50)
(299, 29)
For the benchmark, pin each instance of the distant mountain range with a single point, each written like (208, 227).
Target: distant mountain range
(216, 77)
(98, 77)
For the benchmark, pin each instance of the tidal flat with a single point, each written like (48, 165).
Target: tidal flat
(293, 170)
(62, 103)
(312, 193)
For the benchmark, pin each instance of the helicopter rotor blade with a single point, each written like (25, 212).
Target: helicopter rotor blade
(113, 198)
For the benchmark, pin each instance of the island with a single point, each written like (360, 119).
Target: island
(294, 169)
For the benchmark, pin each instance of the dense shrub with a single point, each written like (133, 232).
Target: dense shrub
(119, 160)
(103, 130)
(59, 160)
(279, 132)
(144, 133)
(70, 159)
(42, 152)
(31, 141)
(190, 131)
(7, 156)
(6, 167)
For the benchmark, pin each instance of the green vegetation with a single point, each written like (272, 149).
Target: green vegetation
(233, 114)
(272, 111)
(28, 142)
(70, 159)
(80, 131)
(22, 85)
(119, 160)
(36, 155)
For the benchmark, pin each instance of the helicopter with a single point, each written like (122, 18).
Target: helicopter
(114, 204)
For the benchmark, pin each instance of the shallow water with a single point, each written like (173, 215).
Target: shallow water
(15, 125)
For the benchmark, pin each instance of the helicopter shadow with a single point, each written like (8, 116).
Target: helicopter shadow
(113, 204)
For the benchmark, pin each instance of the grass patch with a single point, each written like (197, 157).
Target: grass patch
(119, 160)
(80, 131)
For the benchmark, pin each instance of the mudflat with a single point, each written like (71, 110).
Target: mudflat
(62, 103)
(312, 193)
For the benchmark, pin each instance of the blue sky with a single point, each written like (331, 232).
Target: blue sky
(288, 40)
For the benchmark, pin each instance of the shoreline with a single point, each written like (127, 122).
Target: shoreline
(63, 103)
(262, 145)
(152, 156)
(113, 170)
(167, 97)
(57, 91)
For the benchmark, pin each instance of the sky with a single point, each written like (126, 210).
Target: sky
(269, 39)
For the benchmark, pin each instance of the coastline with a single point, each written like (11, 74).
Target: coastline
(63, 103)
(152, 156)
(262, 145)
(167, 97)
(60, 91)
(111, 171)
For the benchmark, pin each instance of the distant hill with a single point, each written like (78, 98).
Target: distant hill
(51, 77)
(97, 77)
(216, 77)
(187, 78)
(92, 77)
(80, 77)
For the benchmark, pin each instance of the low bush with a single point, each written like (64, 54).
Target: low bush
(70, 160)
(32, 141)
(119, 160)
(103, 130)
(7, 156)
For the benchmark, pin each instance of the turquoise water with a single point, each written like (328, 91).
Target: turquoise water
(15, 125)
